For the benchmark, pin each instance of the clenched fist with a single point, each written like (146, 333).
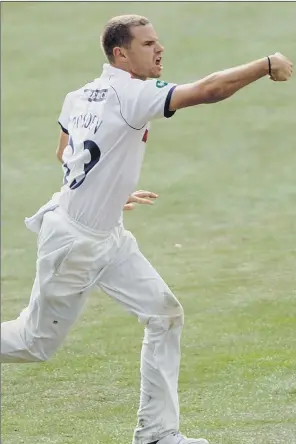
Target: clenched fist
(281, 67)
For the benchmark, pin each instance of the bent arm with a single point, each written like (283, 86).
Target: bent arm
(63, 142)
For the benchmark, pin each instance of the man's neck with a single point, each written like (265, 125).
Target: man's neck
(123, 68)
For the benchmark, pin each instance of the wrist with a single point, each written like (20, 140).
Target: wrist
(264, 65)
(269, 58)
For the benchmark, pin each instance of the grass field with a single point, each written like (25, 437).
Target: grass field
(226, 178)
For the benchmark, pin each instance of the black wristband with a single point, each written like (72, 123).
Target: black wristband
(269, 66)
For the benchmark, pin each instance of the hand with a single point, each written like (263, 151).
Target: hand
(281, 67)
(140, 197)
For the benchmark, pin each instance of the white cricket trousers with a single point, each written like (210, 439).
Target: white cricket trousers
(72, 260)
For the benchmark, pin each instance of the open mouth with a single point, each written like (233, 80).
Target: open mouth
(158, 61)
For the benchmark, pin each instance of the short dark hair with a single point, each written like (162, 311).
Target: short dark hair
(117, 32)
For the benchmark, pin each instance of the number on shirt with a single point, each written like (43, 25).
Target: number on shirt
(79, 162)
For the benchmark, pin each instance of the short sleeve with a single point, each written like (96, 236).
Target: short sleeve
(64, 117)
(142, 101)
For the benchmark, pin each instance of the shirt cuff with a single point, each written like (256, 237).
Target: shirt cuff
(167, 112)
(63, 129)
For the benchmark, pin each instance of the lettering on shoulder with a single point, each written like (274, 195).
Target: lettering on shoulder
(96, 95)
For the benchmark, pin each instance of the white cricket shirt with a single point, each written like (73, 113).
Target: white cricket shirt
(107, 122)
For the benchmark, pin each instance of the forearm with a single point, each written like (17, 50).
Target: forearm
(63, 142)
(223, 84)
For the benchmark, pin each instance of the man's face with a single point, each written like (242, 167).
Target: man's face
(144, 56)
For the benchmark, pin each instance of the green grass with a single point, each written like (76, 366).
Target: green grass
(226, 178)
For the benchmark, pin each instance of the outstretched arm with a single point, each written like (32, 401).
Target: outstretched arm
(221, 85)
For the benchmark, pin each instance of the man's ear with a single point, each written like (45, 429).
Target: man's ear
(119, 53)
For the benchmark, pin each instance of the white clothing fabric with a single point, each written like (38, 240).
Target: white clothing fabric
(107, 121)
(82, 243)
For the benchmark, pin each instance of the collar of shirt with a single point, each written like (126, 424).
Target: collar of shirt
(109, 71)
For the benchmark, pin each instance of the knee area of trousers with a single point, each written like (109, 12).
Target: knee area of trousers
(42, 349)
(173, 317)
(172, 306)
(165, 323)
(40, 358)
(39, 354)
(177, 320)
